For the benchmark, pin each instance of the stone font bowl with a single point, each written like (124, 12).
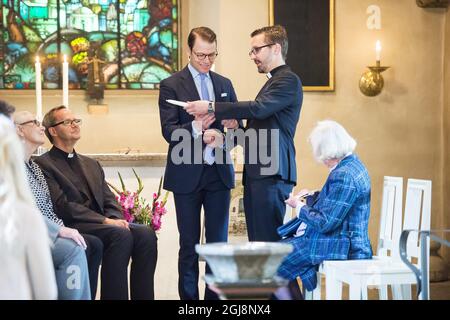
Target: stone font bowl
(244, 262)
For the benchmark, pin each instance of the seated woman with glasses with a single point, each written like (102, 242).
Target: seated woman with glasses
(68, 251)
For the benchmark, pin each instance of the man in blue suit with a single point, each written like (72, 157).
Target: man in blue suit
(202, 177)
(334, 225)
(272, 122)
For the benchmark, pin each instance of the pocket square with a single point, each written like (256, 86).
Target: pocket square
(223, 94)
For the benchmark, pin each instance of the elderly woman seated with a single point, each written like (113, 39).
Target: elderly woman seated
(333, 223)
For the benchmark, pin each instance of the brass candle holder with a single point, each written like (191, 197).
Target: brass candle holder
(372, 82)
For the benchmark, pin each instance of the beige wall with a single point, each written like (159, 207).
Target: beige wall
(400, 132)
(446, 130)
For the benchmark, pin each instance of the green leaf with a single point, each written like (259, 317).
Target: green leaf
(116, 190)
(163, 203)
(159, 188)
(140, 184)
(121, 182)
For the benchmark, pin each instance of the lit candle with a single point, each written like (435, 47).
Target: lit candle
(38, 89)
(65, 82)
(378, 50)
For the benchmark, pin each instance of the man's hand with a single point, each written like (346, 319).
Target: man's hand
(117, 222)
(230, 124)
(213, 138)
(206, 121)
(197, 108)
(69, 233)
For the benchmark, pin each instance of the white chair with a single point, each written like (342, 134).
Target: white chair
(389, 233)
(384, 271)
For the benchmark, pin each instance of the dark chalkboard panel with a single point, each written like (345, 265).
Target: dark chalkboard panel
(310, 27)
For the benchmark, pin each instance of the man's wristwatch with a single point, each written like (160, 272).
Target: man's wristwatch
(211, 107)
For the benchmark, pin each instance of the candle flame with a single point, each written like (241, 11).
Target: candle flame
(65, 58)
(378, 46)
(37, 59)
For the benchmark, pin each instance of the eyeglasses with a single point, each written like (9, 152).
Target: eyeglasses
(256, 50)
(202, 56)
(37, 123)
(68, 122)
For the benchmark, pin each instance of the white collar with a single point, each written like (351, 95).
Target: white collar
(195, 72)
(334, 167)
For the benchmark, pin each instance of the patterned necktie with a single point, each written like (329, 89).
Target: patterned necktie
(203, 87)
(208, 153)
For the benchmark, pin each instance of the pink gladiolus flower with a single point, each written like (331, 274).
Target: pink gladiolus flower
(129, 202)
(160, 210)
(156, 222)
(137, 209)
(127, 216)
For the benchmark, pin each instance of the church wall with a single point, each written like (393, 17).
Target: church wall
(401, 132)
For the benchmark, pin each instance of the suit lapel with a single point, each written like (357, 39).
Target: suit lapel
(89, 174)
(217, 88)
(189, 84)
(66, 171)
(265, 86)
(63, 166)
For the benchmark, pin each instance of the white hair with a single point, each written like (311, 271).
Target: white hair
(14, 185)
(329, 140)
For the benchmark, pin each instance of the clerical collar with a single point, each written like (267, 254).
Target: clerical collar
(63, 154)
(275, 70)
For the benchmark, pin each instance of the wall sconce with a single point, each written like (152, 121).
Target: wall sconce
(372, 82)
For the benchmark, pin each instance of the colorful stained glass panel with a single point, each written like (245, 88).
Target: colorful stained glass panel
(136, 42)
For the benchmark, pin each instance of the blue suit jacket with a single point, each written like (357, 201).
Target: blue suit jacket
(277, 106)
(338, 221)
(337, 224)
(184, 178)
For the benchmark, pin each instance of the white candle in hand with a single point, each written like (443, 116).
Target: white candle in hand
(65, 82)
(378, 50)
(38, 89)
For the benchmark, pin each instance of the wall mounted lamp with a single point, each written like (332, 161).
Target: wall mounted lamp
(372, 82)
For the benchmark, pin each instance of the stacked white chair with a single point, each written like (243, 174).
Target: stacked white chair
(386, 268)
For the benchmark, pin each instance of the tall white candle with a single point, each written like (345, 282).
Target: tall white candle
(65, 82)
(37, 66)
(378, 50)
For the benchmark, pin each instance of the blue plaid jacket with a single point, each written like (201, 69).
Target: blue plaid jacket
(337, 224)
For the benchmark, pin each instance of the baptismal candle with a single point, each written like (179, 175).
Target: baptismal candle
(378, 50)
(65, 82)
(37, 66)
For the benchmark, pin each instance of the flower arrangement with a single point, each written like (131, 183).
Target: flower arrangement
(136, 209)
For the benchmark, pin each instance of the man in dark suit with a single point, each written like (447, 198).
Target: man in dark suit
(197, 174)
(83, 200)
(272, 121)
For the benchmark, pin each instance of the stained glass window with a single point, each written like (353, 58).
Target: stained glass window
(135, 40)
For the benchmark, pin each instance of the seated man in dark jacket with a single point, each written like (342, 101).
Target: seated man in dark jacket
(83, 200)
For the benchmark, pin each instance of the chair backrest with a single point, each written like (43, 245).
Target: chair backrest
(418, 217)
(390, 217)
(417, 213)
